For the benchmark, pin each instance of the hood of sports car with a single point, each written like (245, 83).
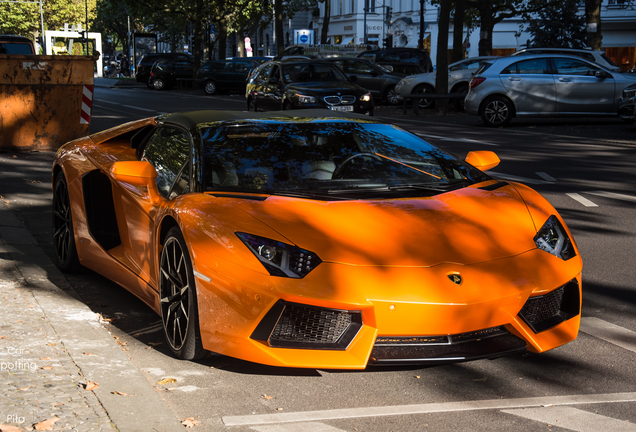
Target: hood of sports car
(466, 226)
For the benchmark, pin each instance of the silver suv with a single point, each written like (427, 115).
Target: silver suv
(598, 57)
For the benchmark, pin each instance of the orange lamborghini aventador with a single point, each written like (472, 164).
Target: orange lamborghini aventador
(316, 239)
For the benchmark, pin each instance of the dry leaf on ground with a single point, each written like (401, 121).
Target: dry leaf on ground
(9, 428)
(90, 385)
(46, 425)
(47, 367)
(266, 397)
(121, 343)
(45, 358)
(167, 381)
(119, 393)
(190, 422)
(52, 344)
(88, 353)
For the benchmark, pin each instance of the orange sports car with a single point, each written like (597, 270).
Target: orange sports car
(316, 239)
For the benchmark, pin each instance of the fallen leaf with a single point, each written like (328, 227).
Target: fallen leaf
(88, 353)
(45, 358)
(155, 343)
(266, 397)
(120, 343)
(167, 381)
(7, 428)
(190, 422)
(3, 337)
(417, 376)
(279, 409)
(26, 388)
(57, 404)
(47, 367)
(52, 344)
(46, 425)
(90, 385)
(119, 393)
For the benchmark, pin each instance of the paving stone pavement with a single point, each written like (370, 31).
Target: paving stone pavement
(38, 379)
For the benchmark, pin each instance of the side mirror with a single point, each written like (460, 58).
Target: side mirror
(138, 173)
(483, 159)
(601, 74)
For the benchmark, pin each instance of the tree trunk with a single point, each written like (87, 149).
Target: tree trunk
(222, 38)
(441, 78)
(325, 23)
(198, 36)
(240, 35)
(458, 31)
(278, 26)
(593, 18)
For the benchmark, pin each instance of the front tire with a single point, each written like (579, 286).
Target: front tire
(424, 103)
(210, 88)
(63, 235)
(177, 295)
(497, 111)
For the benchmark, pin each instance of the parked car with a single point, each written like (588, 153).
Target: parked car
(408, 61)
(277, 85)
(12, 44)
(217, 75)
(166, 73)
(316, 239)
(459, 75)
(594, 56)
(372, 76)
(546, 85)
(627, 104)
(144, 65)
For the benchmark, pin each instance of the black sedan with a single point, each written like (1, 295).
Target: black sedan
(379, 80)
(231, 74)
(166, 72)
(282, 85)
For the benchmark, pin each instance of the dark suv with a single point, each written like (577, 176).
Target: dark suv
(10, 44)
(145, 64)
(165, 73)
(231, 74)
(277, 85)
(408, 61)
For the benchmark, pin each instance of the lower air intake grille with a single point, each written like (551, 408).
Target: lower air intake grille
(294, 325)
(544, 312)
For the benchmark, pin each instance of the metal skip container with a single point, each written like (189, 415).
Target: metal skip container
(45, 100)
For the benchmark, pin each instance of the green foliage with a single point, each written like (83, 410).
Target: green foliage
(558, 25)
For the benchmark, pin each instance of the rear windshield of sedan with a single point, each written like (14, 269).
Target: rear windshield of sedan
(269, 157)
(308, 72)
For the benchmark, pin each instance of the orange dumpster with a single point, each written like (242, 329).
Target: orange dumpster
(45, 101)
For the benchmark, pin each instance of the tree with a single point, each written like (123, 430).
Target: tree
(558, 25)
(325, 23)
(441, 78)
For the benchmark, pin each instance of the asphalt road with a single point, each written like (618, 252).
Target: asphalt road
(585, 168)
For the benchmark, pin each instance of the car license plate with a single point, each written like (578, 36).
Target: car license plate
(342, 108)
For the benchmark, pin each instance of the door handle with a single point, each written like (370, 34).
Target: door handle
(514, 79)
(565, 79)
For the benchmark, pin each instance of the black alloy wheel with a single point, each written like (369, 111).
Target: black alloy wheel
(158, 84)
(177, 295)
(424, 103)
(391, 96)
(497, 111)
(210, 87)
(63, 236)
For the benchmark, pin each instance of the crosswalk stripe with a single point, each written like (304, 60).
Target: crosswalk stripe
(297, 427)
(581, 199)
(613, 195)
(573, 419)
(609, 332)
(367, 412)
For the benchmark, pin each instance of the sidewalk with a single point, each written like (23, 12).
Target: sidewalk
(52, 346)
(117, 82)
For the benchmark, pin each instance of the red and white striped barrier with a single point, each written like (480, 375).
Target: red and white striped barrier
(87, 104)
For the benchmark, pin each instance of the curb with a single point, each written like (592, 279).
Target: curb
(81, 331)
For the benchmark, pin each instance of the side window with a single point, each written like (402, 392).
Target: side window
(566, 66)
(169, 152)
(535, 66)
(358, 67)
(263, 73)
(242, 67)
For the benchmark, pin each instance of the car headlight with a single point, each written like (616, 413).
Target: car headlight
(366, 97)
(280, 259)
(303, 99)
(629, 93)
(553, 239)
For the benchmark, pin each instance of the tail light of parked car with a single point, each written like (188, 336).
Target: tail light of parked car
(475, 81)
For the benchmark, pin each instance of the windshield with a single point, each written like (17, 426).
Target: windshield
(326, 158)
(312, 72)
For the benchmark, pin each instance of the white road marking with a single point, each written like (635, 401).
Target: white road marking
(609, 332)
(517, 178)
(613, 195)
(297, 427)
(456, 139)
(586, 202)
(546, 177)
(498, 404)
(574, 419)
